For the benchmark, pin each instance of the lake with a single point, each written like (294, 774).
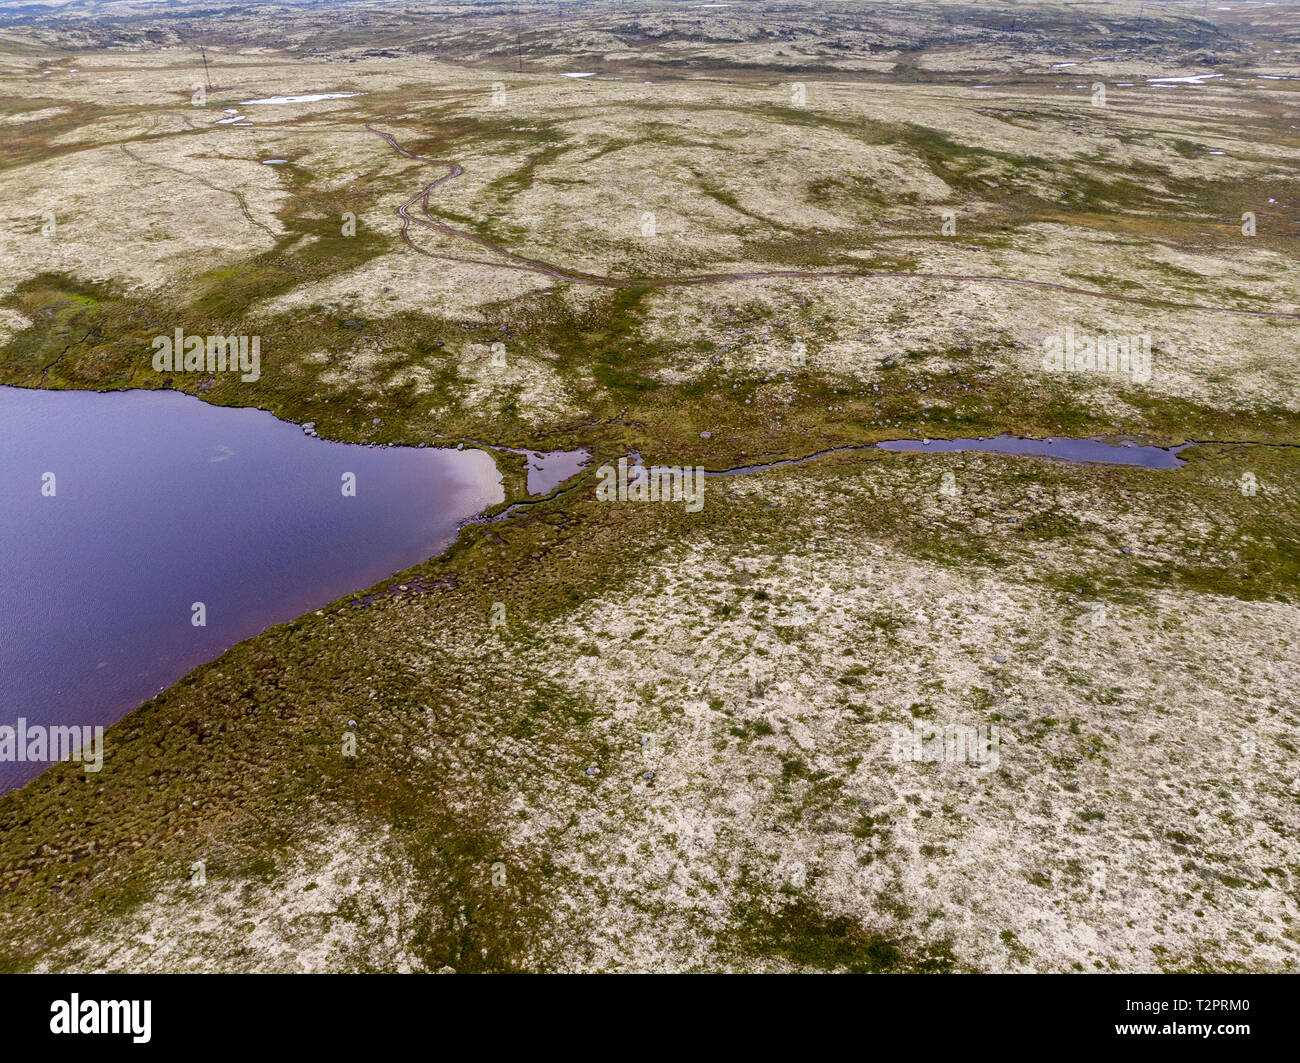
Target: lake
(161, 501)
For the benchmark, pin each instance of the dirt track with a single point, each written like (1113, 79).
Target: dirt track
(510, 260)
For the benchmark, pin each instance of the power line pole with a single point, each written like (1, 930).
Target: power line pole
(206, 76)
(519, 51)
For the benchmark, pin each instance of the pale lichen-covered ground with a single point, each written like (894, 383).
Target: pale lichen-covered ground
(759, 664)
(676, 754)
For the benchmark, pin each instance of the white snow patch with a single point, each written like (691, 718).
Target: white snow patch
(301, 99)
(1190, 79)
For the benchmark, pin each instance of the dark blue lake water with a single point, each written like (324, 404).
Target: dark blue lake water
(160, 501)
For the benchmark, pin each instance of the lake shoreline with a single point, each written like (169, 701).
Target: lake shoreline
(150, 532)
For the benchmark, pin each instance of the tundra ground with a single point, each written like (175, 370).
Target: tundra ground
(753, 234)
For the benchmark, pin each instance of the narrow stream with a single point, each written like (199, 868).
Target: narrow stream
(1055, 448)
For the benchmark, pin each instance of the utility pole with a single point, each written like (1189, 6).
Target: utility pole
(206, 76)
(519, 51)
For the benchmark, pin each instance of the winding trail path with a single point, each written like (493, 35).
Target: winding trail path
(510, 260)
